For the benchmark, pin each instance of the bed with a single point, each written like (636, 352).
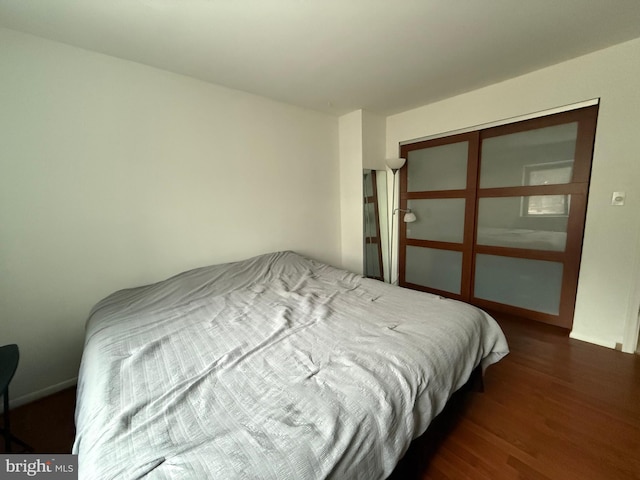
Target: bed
(276, 367)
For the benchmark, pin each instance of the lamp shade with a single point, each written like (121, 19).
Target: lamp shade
(409, 217)
(395, 163)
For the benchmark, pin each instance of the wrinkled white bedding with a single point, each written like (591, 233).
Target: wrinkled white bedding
(278, 367)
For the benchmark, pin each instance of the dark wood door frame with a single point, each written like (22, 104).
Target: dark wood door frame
(578, 188)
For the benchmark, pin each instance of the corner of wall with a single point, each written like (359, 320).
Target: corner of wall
(351, 222)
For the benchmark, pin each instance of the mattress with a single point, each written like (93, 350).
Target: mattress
(276, 367)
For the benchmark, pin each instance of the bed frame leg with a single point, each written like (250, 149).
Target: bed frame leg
(476, 382)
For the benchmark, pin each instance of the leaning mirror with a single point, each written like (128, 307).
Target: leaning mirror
(375, 223)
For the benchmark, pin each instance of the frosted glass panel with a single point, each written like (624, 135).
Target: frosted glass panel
(429, 267)
(505, 222)
(372, 260)
(548, 173)
(368, 183)
(535, 157)
(370, 220)
(531, 284)
(440, 220)
(438, 168)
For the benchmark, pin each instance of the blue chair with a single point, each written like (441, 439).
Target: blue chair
(9, 356)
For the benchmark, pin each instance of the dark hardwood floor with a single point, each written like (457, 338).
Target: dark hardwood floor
(554, 408)
(46, 425)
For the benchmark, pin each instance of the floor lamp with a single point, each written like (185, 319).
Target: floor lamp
(395, 164)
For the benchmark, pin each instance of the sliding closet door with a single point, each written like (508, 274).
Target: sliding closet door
(524, 206)
(532, 201)
(438, 184)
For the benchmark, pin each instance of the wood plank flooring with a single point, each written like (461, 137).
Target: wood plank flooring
(46, 425)
(554, 408)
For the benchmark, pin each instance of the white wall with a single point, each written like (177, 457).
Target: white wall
(351, 191)
(362, 145)
(373, 157)
(114, 174)
(373, 141)
(607, 297)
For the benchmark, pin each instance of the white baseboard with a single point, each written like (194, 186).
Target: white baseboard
(31, 397)
(594, 340)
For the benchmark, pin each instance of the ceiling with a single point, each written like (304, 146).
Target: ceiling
(336, 56)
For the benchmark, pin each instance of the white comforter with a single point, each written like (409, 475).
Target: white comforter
(278, 367)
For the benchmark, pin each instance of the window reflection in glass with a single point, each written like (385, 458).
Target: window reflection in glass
(547, 174)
